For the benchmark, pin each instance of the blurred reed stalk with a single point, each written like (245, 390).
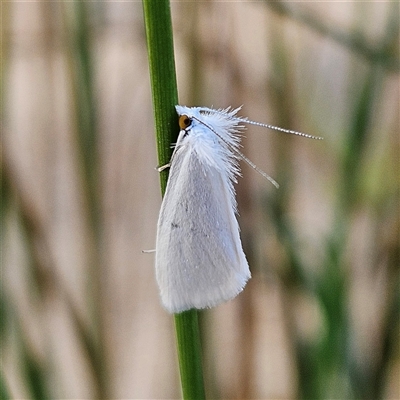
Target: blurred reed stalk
(158, 23)
(81, 70)
(328, 367)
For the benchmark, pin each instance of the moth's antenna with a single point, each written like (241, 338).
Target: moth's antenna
(252, 165)
(278, 128)
(268, 126)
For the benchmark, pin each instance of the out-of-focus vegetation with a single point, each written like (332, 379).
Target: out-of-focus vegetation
(79, 308)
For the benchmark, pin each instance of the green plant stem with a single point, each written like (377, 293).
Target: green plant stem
(189, 353)
(163, 78)
(165, 96)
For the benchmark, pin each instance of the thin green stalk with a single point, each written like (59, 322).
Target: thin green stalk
(189, 354)
(157, 17)
(163, 78)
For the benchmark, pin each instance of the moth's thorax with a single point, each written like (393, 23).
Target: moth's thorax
(203, 144)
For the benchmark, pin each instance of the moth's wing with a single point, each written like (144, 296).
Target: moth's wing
(199, 257)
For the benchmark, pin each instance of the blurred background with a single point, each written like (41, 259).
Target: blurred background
(80, 311)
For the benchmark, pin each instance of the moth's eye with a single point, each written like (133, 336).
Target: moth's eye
(184, 121)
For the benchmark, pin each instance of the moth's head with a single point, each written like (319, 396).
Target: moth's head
(188, 116)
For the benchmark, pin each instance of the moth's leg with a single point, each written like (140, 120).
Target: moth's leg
(178, 144)
(163, 167)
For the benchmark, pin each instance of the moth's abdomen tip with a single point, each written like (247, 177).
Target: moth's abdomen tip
(175, 304)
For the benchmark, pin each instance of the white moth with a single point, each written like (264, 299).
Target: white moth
(200, 262)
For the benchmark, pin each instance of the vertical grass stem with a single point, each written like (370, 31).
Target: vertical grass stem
(160, 49)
